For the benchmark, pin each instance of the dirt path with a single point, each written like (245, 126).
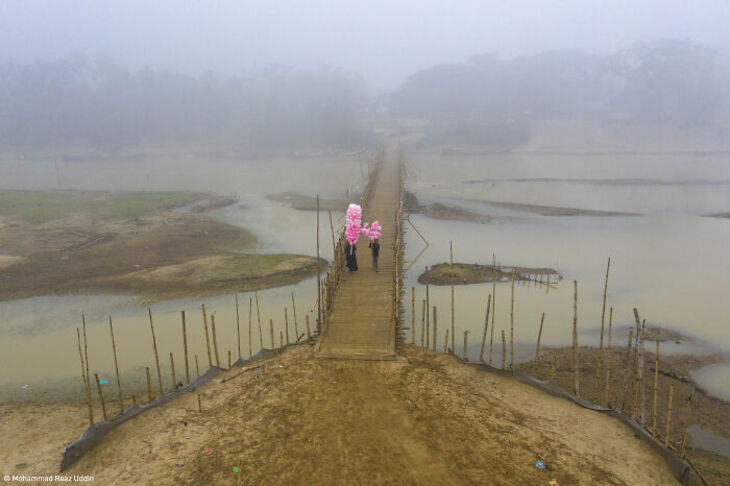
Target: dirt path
(422, 419)
(361, 324)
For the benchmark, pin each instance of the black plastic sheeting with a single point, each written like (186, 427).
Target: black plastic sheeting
(96, 432)
(682, 470)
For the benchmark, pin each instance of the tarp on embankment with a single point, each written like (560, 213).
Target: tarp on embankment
(96, 432)
(682, 469)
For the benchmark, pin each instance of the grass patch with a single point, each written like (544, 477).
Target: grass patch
(256, 265)
(43, 206)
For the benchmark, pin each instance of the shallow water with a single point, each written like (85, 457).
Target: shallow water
(670, 263)
(38, 344)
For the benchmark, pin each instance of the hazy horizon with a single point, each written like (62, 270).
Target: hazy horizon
(381, 41)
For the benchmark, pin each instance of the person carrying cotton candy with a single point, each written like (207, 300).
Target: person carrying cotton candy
(373, 232)
(353, 219)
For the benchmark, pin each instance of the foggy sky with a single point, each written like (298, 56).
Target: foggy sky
(385, 41)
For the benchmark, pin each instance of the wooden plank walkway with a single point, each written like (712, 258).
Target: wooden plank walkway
(362, 325)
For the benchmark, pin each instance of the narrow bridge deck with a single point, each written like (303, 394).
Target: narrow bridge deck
(361, 325)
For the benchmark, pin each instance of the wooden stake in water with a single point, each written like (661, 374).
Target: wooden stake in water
(640, 369)
(504, 349)
(215, 340)
(172, 372)
(207, 336)
(83, 377)
(539, 335)
(286, 324)
(294, 311)
(154, 346)
(423, 322)
(258, 319)
(576, 383)
(428, 319)
(229, 359)
(494, 303)
(271, 328)
(250, 309)
(685, 421)
(486, 324)
(116, 366)
(600, 347)
(238, 327)
(608, 356)
(185, 348)
(512, 324)
(656, 386)
(629, 371)
(149, 384)
(413, 315)
(446, 341)
(435, 327)
(306, 320)
(319, 283)
(86, 354)
(451, 270)
(200, 403)
(669, 415)
(465, 347)
(197, 368)
(281, 339)
(103, 406)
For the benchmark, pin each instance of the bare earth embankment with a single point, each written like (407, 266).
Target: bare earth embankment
(423, 419)
(65, 242)
(474, 273)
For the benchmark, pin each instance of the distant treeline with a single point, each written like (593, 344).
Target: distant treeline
(663, 82)
(77, 101)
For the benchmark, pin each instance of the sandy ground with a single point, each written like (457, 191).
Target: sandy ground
(423, 419)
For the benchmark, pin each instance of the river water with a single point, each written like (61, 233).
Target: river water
(669, 262)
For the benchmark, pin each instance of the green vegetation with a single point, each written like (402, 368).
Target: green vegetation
(258, 265)
(43, 206)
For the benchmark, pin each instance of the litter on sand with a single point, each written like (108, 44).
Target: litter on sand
(540, 464)
(207, 451)
(553, 482)
(103, 382)
(235, 469)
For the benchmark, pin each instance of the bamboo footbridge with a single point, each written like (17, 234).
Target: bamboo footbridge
(362, 310)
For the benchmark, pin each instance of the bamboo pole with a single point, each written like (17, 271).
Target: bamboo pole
(319, 280)
(547, 288)
(504, 349)
(423, 321)
(197, 368)
(669, 415)
(332, 230)
(486, 324)
(185, 348)
(685, 421)
(250, 310)
(154, 346)
(229, 359)
(215, 340)
(600, 347)
(608, 356)
(149, 384)
(428, 319)
(258, 319)
(451, 268)
(200, 403)
(494, 304)
(83, 376)
(640, 369)
(552, 371)
(103, 406)
(306, 319)
(286, 324)
(656, 386)
(271, 329)
(281, 339)
(446, 341)
(172, 368)
(465, 348)
(512, 324)
(207, 336)
(435, 326)
(238, 327)
(116, 366)
(576, 365)
(294, 311)
(413, 315)
(539, 335)
(86, 355)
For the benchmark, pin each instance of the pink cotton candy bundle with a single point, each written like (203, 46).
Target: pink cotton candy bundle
(353, 218)
(373, 232)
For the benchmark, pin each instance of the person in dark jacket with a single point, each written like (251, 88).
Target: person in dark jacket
(375, 249)
(351, 257)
